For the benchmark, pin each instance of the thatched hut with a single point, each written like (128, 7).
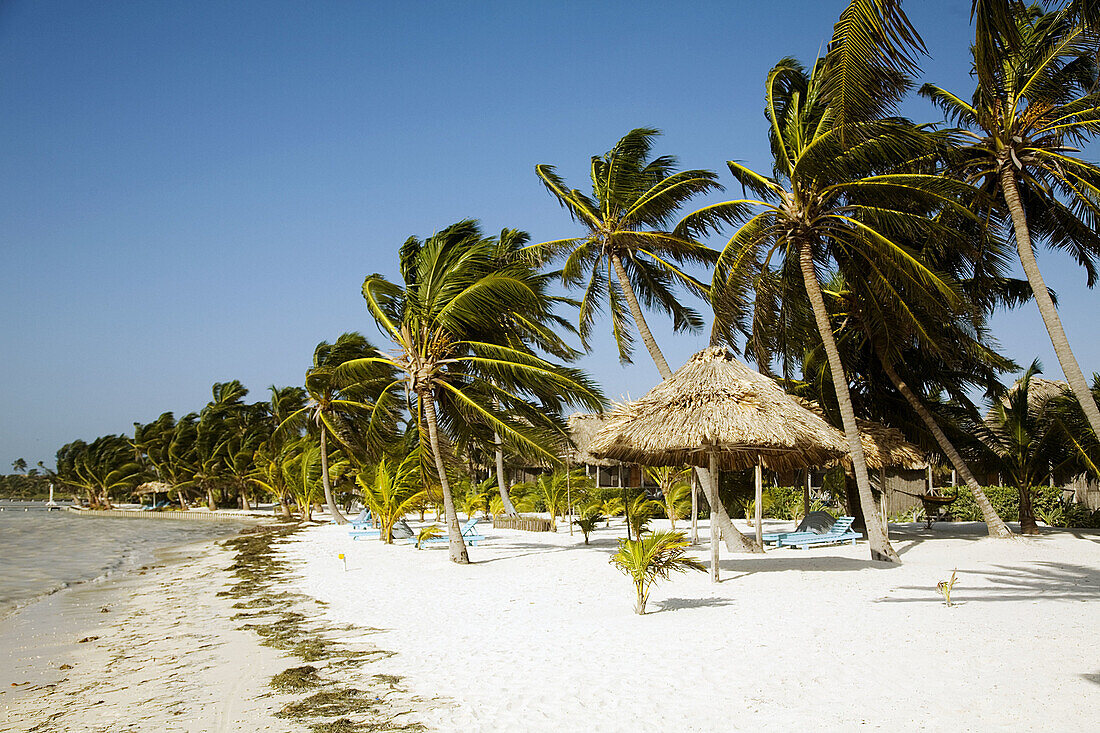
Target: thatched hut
(716, 412)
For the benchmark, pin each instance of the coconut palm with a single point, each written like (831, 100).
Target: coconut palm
(1024, 440)
(832, 198)
(941, 350)
(100, 469)
(1036, 99)
(630, 250)
(454, 357)
(345, 409)
(650, 558)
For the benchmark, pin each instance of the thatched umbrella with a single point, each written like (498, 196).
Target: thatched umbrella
(718, 413)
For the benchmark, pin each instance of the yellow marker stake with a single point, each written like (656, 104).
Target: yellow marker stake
(341, 556)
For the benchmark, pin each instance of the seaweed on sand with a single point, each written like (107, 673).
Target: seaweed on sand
(259, 572)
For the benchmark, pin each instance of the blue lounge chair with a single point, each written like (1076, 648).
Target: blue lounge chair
(470, 535)
(401, 531)
(839, 532)
(818, 522)
(363, 521)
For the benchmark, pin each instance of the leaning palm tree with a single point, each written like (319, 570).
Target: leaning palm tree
(629, 249)
(1036, 100)
(454, 358)
(832, 197)
(336, 404)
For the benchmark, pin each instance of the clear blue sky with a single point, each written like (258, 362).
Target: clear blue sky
(193, 191)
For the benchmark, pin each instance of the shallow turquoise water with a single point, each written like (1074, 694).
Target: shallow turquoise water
(42, 552)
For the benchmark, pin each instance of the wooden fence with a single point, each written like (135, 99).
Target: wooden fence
(173, 515)
(527, 524)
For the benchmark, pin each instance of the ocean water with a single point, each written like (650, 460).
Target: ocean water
(42, 552)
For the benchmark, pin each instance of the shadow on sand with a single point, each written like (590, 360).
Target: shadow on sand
(675, 604)
(1046, 580)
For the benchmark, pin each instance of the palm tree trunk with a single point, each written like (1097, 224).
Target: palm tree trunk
(502, 486)
(333, 510)
(454, 532)
(1028, 525)
(639, 319)
(994, 524)
(1066, 359)
(876, 537)
(735, 541)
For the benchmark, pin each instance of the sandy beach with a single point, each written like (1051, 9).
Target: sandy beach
(539, 633)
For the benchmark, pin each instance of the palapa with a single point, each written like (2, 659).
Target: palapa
(716, 403)
(582, 429)
(716, 412)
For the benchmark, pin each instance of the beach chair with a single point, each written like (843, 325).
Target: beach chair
(839, 532)
(362, 521)
(401, 531)
(813, 523)
(470, 535)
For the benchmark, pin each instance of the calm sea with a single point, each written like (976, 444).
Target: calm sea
(42, 552)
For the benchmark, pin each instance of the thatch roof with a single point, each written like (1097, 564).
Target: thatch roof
(150, 487)
(883, 447)
(582, 429)
(715, 401)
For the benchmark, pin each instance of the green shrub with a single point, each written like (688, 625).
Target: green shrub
(1005, 501)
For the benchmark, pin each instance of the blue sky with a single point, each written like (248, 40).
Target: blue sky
(193, 192)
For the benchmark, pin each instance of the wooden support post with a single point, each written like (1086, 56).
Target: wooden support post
(759, 479)
(694, 508)
(882, 488)
(714, 531)
(569, 494)
(806, 495)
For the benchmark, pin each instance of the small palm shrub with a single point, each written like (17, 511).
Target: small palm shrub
(611, 506)
(588, 520)
(427, 533)
(639, 512)
(653, 557)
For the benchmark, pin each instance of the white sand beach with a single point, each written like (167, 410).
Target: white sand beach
(538, 634)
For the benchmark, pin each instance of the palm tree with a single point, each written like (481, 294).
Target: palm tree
(338, 404)
(674, 485)
(653, 557)
(629, 250)
(957, 346)
(100, 468)
(282, 403)
(455, 358)
(1023, 439)
(1036, 99)
(831, 197)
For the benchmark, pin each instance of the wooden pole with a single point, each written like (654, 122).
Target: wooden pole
(568, 494)
(806, 495)
(694, 508)
(882, 488)
(759, 478)
(714, 531)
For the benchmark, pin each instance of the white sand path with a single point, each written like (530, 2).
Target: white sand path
(539, 634)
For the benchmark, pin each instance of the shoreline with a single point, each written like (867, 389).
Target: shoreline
(192, 642)
(124, 565)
